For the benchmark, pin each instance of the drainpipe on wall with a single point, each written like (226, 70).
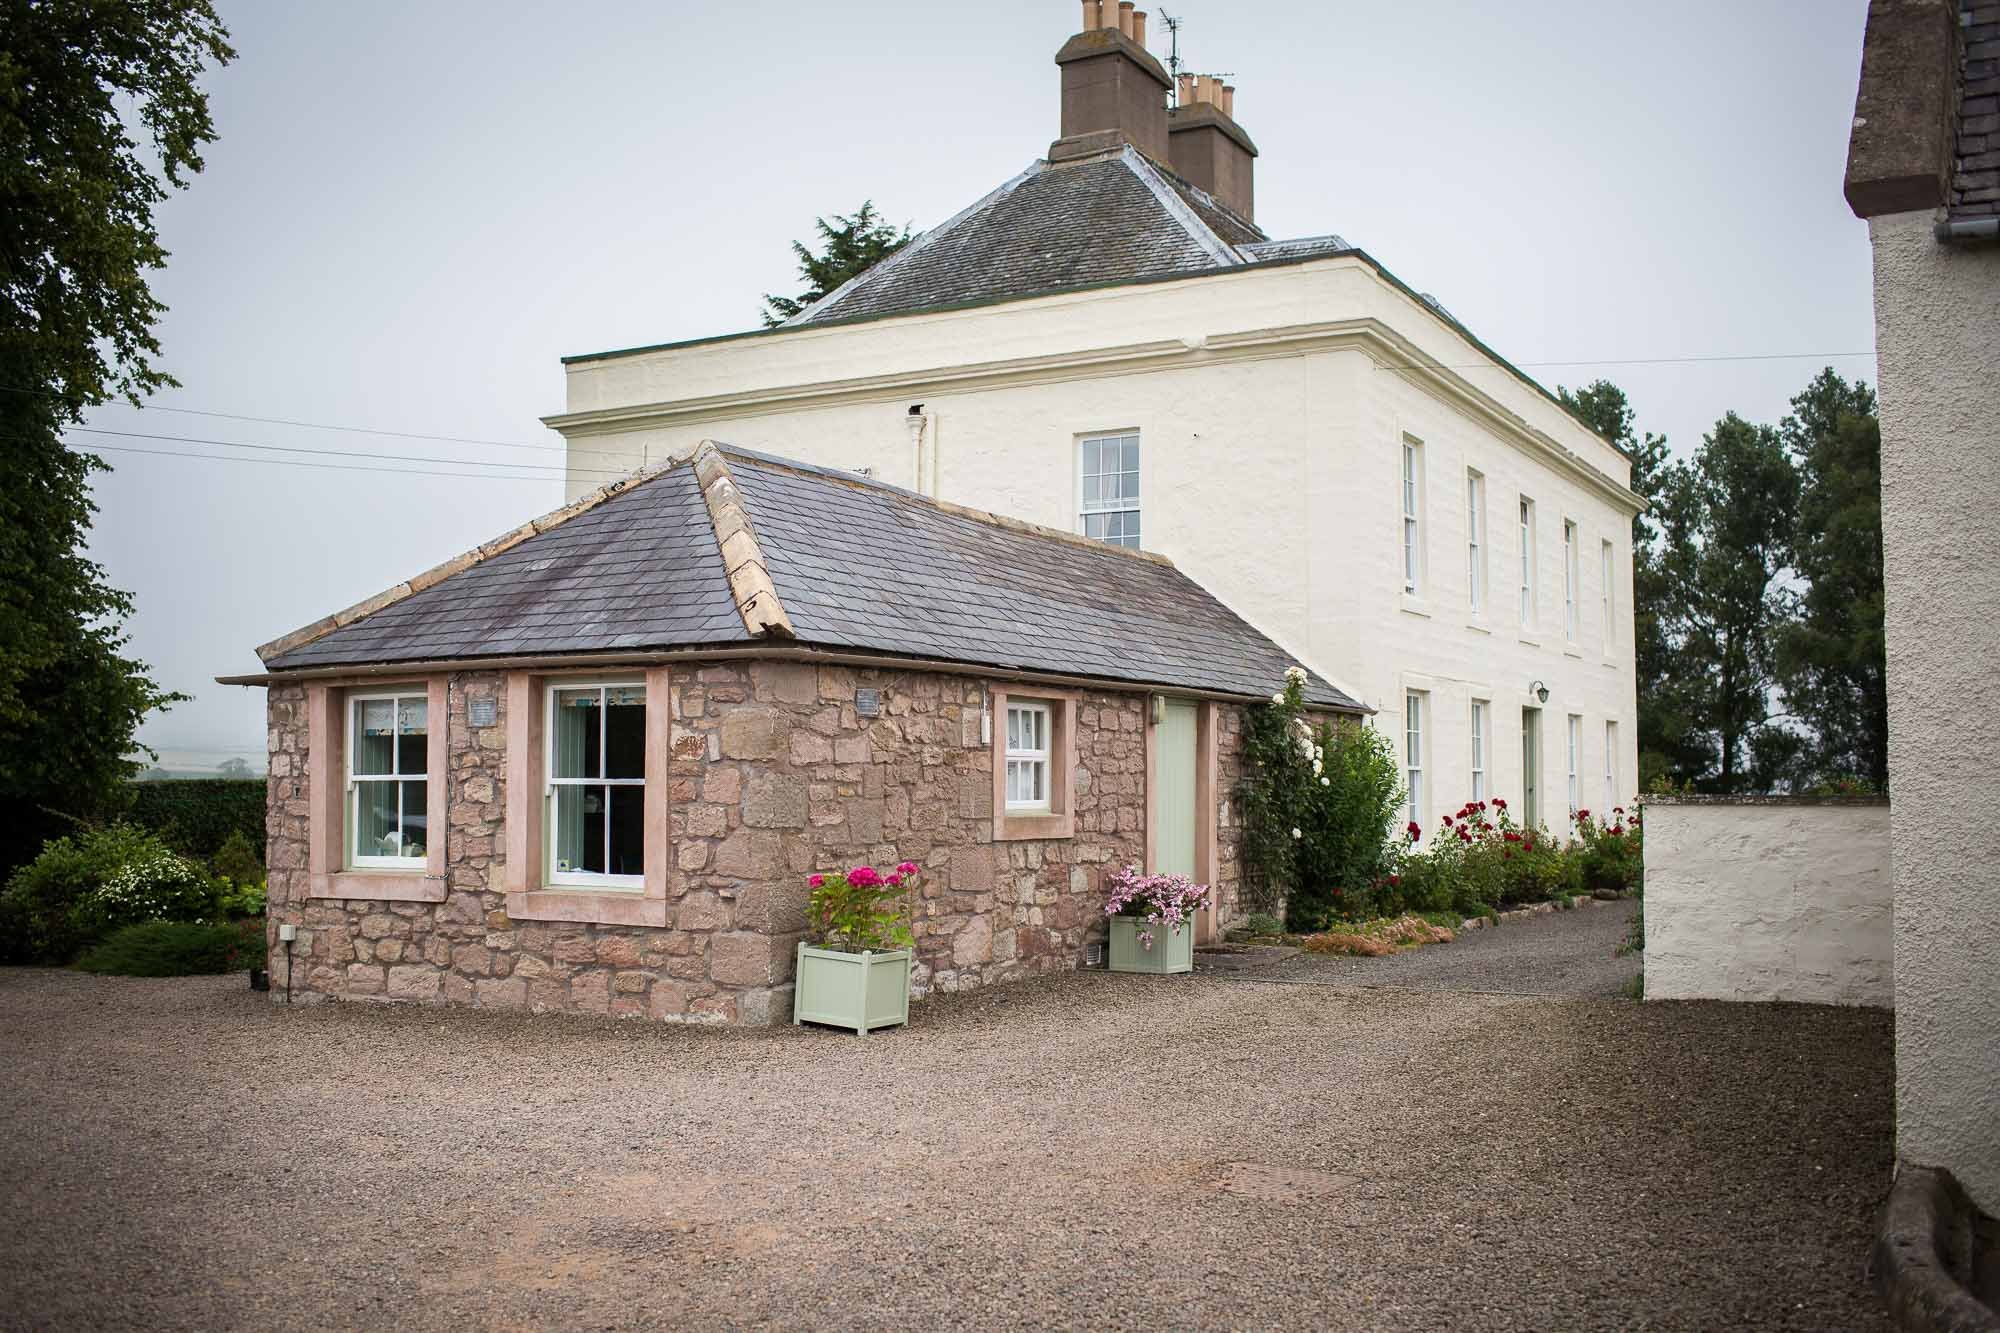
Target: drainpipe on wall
(923, 450)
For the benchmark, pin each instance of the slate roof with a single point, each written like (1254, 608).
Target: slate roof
(1119, 217)
(1975, 182)
(857, 566)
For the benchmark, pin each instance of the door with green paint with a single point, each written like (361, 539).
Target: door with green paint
(1173, 789)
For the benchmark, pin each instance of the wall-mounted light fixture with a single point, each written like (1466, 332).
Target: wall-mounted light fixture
(1540, 691)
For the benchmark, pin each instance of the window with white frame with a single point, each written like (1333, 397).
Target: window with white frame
(1028, 733)
(1575, 765)
(1478, 749)
(388, 748)
(1475, 539)
(1606, 572)
(1413, 753)
(595, 829)
(1108, 473)
(1571, 575)
(1527, 539)
(1413, 533)
(1612, 798)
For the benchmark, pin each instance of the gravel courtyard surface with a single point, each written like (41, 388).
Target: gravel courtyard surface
(1562, 953)
(1092, 1150)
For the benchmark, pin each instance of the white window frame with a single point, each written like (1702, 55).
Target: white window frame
(1413, 752)
(1030, 759)
(1526, 512)
(1475, 538)
(352, 857)
(1135, 506)
(583, 879)
(1413, 515)
(1572, 576)
(1612, 800)
(1481, 711)
(1574, 740)
(1607, 561)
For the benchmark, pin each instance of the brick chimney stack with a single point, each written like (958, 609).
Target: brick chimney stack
(1113, 92)
(1208, 147)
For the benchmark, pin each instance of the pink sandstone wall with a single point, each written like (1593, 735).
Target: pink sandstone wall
(774, 776)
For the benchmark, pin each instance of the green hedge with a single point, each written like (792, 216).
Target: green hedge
(195, 816)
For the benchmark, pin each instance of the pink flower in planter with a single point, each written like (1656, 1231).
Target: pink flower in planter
(894, 881)
(816, 881)
(907, 868)
(863, 877)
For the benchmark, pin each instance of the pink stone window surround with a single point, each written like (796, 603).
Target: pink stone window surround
(530, 895)
(1059, 820)
(326, 785)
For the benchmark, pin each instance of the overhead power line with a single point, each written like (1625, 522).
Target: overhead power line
(350, 453)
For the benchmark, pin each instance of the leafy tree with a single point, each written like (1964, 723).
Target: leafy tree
(81, 84)
(1727, 518)
(1831, 657)
(1663, 726)
(851, 246)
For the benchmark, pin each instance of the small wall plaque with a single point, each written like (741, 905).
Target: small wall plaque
(482, 712)
(868, 703)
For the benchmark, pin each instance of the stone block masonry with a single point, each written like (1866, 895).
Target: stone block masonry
(774, 775)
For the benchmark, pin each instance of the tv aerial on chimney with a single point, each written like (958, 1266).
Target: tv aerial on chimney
(1173, 52)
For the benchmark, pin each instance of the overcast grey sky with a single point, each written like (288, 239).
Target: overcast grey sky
(415, 209)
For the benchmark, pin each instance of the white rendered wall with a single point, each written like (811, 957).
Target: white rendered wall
(1937, 327)
(1269, 473)
(1768, 898)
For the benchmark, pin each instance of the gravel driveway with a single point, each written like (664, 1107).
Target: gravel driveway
(1092, 1150)
(1561, 953)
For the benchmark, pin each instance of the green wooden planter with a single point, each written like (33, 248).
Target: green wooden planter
(852, 990)
(1172, 951)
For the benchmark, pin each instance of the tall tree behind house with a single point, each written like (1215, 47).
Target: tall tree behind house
(1830, 649)
(1727, 517)
(850, 246)
(78, 85)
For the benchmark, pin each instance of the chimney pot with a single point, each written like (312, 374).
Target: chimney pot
(1187, 90)
(1125, 8)
(1090, 15)
(1229, 100)
(1139, 26)
(1107, 13)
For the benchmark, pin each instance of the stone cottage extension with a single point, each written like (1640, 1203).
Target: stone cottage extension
(589, 766)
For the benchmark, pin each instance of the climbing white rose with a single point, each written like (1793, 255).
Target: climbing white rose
(1297, 834)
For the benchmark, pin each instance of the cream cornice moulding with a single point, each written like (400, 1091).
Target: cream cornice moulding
(1391, 350)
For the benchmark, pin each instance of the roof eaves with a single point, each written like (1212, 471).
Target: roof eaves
(826, 303)
(555, 518)
(1200, 232)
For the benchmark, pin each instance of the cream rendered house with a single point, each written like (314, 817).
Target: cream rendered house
(1108, 343)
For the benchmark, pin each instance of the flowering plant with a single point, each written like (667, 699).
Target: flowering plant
(155, 885)
(862, 910)
(1169, 900)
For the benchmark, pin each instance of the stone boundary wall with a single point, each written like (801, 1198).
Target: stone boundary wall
(1769, 898)
(773, 776)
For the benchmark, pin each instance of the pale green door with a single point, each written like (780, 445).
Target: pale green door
(1173, 790)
